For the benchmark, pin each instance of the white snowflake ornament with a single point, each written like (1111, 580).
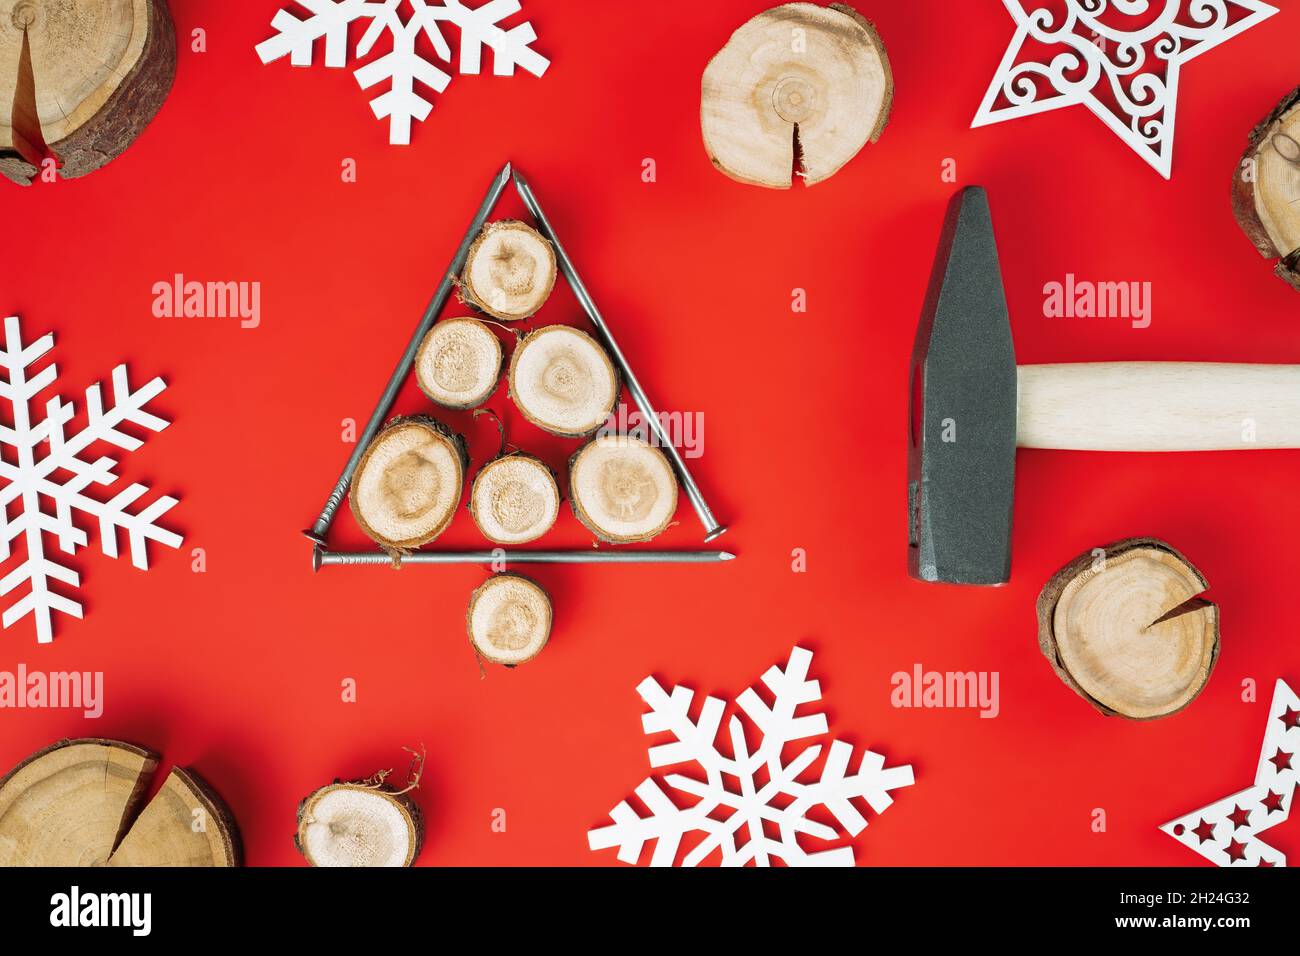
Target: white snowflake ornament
(404, 64)
(60, 477)
(1119, 58)
(772, 792)
(1227, 832)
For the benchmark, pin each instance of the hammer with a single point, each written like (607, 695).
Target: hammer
(971, 407)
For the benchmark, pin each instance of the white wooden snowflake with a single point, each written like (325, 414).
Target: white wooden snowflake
(771, 793)
(404, 64)
(60, 477)
(1119, 58)
(1227, 833)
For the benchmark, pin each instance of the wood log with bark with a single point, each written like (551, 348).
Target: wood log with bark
(1266, 188)
(1127, 629)
(365, 823)
(81, 803)
(797, 90)
(79, 80)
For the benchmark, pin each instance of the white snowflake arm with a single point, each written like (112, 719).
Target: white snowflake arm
(510, 48)
(329, 19)
(403, 66)
(666, 824)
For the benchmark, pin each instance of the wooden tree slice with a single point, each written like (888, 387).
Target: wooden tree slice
(799, 81)
(81, 78)
(509, 270)
(74, 804)
(1130, 633)
(509, 619)
(185, 824)
(622, 489)
(514, 499)
(359, 824)
(563, 381)
(408, 483)
(1266, 188)
(459, 363)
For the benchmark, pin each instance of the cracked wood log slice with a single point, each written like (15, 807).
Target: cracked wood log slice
(459, 363)
(509, 270)
(79, 79)
(509, 619)
(359, 824)
(1266, 188)
(799, 84)
(622, 489)
(1129, 631)
(78, 803)
(408, 483)
(514, 499)
(563, 381)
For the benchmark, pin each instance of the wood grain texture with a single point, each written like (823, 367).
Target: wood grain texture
(1158, 406)
(1125, 628)
(99, 72)
(803, 74)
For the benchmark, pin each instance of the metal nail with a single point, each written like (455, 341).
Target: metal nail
(318, 530)
(712, 528)
(321, 557)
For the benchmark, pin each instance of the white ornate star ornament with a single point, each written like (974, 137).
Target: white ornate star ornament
(1129, 50)
(1227, 832)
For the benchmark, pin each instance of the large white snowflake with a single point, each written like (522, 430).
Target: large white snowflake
(771, 790)
(404, 64)
(61, 475)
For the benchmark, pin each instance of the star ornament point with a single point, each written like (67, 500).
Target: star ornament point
(1227, 833)
(1119, 58)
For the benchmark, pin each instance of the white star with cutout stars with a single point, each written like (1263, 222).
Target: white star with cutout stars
(1227, 832)
(1139, 66)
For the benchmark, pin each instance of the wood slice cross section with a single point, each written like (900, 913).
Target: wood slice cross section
(1127, 629)
(79, 80)
(81, 803)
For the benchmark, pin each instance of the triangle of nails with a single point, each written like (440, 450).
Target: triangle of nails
(322, 555)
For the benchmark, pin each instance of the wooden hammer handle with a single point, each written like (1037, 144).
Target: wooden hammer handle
(1158, 406)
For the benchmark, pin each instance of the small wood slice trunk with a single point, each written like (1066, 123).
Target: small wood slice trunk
(800, 82)
(409, 482)
(79, 79)
(622, 489)
(1128, 630)
(509, 619)
(1266, 188)
(514, 499)
(509, 270)
(77, 803)
(360, 824)
(563, 381)
(459, 363)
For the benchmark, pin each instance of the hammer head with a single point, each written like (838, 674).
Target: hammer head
(962, 461)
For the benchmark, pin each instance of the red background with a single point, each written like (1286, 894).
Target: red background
(237, 671)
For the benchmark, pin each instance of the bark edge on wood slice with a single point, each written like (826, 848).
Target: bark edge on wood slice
(459, 363)
(509, 619)
(622, 489)
(410, 481)
(509, 270)
(1266, 184)
(1134, 638)
(359, 823)
(563, 381)
(514, 498)
(85, 116)
(799, 82)
(78, 803)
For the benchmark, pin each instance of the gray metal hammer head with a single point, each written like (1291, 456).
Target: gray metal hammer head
(962, 460)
